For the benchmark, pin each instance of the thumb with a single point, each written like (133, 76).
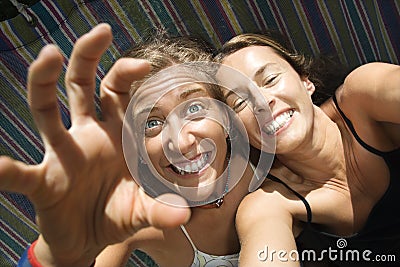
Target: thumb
(161, 214)
(169, 211)
(17, 177)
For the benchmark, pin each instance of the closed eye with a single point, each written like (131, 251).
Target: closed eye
(239, 104)
(270, 79)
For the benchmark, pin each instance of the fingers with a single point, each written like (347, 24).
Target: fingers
(162, 215)
(42, 79)
(81, 72)
(17, 177)
(116, 85)
(157, 213)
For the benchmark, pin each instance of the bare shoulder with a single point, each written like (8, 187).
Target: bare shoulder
(372, 89)
(370, 71)
(366, 80)
(271, 199)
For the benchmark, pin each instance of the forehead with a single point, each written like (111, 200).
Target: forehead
(152, 98)
(250, 59)
(184, 91)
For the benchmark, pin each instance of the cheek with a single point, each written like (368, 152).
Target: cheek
(249, 121)
(154, 148)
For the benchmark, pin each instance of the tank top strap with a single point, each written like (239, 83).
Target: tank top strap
(305, 202)
(353, 131)
(188, 237)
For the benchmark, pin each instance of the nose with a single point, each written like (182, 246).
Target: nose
(263, 102)
(180, 139)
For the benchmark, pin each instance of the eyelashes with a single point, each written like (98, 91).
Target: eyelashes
(191, 111)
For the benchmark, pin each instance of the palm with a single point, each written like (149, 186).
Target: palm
(83, 193)
(86, 173)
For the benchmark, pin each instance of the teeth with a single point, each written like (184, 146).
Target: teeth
(279, 121)
(191, 167)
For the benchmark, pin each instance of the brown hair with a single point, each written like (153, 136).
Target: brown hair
(326, 72)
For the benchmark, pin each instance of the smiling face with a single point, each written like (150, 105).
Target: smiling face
(287, 95)
(184, 137)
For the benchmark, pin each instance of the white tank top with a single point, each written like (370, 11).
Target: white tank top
(202, 259)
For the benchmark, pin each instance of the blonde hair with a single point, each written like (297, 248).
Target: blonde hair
(162, 52)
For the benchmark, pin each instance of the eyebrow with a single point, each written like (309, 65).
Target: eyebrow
(262, 69)
(185, 94)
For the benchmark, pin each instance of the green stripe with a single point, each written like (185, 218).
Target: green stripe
(296, 30)
(245, 18)
(343, 32)
(17, 221)
(385, 45)
(192, 22)
(332, 31)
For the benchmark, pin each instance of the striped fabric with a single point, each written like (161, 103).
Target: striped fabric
(359, 31)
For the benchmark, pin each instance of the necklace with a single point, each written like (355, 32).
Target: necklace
(218, 202)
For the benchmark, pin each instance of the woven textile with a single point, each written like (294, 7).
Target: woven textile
(358, 31)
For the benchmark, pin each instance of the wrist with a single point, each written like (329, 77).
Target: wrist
(38, 254)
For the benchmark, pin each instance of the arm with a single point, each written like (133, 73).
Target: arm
(375, 89)
(265, 230)
(114, 255)
(84, 196)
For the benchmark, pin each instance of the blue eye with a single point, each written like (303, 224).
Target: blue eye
(194, 108)
(152, 124)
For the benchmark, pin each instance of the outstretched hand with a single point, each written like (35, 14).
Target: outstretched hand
(83, 193)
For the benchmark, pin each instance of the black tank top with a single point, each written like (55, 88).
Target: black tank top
(377, 244)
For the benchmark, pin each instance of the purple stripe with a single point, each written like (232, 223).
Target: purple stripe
(227, 20)
(149, 11)
(175, 16)
(279, 20)
(26, 131)
(11, 143)
(137, 260)
(367, 28)
(8, 198)
(54, 11)
(13, 234)
(317, 25)
(120, 23)
(6, 39)
(9, 252)
(356, 42)
(211, 20)
(255, 11)
(390, 16)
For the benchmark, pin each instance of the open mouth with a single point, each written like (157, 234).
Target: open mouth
(279, 122)
(193, 166)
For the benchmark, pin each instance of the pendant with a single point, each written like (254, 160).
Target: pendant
(214, 205)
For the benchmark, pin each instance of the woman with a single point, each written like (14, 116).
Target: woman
(338, 174)
(84, 194)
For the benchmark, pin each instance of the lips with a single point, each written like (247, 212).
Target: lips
(191, 166)
(280, 121)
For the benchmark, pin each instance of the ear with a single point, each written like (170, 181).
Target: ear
(309, 85)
